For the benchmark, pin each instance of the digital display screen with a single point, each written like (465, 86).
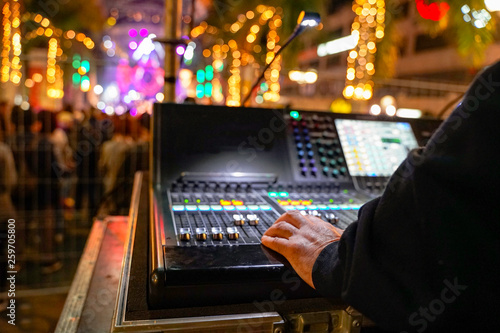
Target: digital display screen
(374, 148)
(211, 139)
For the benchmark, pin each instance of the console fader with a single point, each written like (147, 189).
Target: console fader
(222, 176)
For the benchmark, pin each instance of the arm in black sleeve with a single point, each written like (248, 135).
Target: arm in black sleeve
(426, 254)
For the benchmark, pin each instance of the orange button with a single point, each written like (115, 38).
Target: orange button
(306, 202)
(237, 202)
(284, 203)
(225, 203)
(295, 202)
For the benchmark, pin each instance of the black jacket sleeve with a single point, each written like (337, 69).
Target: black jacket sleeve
(425, 256)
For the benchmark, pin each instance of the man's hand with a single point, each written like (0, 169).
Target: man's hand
(300, 239)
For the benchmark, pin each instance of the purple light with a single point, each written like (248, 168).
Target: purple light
(133, 112)
(180, 50)
(143, 32)
(132, 45)
(132, 33)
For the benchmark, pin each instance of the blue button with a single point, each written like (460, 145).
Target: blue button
(312, 207)
(290, 207)
(229, 208)
(334, 207)
(241, 208)
(216, 207)
(178, 208)
(322, 207)
(253, 207)
(204, 207)
(191, 208)
(265, 207)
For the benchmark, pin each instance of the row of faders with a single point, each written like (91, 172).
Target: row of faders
(203, 219)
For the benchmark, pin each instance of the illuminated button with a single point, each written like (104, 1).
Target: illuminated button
(314, 171)
(294, 202)
(225, 202)
(191, 208)
(300, 207)
(300, 145)
(309, 146)
(323, 160)
(185, 234)
(290, 208)
(334, 207)
(333, 163)
(201, 234)
(306, 202)
(302, 162)
(310, 154)
(253, 207)
(203, 208)
(284, 203)
(321, 150)
(232, 233)
(178, 208)
(312, 207)
(272, 194)
(312, 162)
(300, 153)
(230, 208)
(283, 194)
(252, 219)
(241, 208)
(216, 208)
(322, 207)
(217, 233)
(237, 202)
(265, 207)
(238, 219)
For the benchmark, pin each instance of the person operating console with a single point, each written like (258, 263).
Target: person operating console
(425, 256)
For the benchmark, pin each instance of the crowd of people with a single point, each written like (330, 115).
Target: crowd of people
(53, 164)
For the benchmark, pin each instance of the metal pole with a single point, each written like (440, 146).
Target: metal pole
(173, 15)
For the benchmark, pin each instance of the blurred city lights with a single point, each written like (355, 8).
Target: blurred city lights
(492, 5)
(390, 110)
(338, 45)
(409, 113)
(98, 89)
(375, 109)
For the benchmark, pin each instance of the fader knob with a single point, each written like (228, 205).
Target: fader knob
(201, 234)
(217, 233)
(232, 233)
(238, 219)
(252, 219)
(185, 234)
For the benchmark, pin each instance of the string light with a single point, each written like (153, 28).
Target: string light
(6, 23)
(368, 27)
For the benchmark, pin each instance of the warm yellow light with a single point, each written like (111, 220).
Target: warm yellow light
(350, 76)
(48, 32)
(250, 15)
(251, 38)
(367, 94)
(348, 91)
(111, 21)
(45, 22)
(232, 43)
(80, 37)
(37, 77)
(206, 53)
(353, 54)
(70, 34)
(38, 18)
(29, 83)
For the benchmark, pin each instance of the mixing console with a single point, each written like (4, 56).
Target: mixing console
(222, 176)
